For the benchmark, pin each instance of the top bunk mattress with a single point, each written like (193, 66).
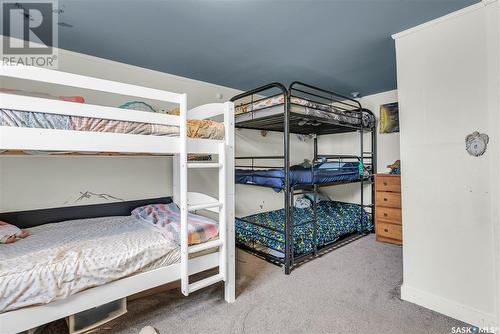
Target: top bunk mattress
(204, 129)
(274, 105)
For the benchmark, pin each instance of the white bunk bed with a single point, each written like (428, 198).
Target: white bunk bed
(18, 139)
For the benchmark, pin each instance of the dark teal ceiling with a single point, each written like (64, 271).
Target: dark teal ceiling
(340, 45)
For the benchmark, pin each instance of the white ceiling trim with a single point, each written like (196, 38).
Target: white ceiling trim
(441, 19)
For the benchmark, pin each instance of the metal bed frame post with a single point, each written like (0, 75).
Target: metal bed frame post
(286, 148)
(315, 220)
(362, 168)
(292, 246)
(374, 165)
(315, 198)
(373, 158)
(315, 147)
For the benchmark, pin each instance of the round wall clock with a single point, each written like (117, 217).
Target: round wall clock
(476, 143)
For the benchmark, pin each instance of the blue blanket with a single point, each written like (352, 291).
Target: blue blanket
(299, 176)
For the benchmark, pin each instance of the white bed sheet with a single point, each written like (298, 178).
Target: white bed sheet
(61, 259)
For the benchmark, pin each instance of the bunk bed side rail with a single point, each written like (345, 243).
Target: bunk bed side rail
(27, 103)
(81, 81)
(34, 139)
(210, 110)
(333, 99)
(260, 90)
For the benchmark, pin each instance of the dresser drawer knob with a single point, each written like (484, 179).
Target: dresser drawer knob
(385, 214)
(385, 199)
(386, 230)
(385, 183)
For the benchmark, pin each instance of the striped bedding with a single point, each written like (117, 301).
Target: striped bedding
(206, 129)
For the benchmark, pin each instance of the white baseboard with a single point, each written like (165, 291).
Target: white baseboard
(448, 307)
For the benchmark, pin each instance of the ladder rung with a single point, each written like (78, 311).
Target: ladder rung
(204, 206)
(205, 282)
(204, 165)
(204, 246)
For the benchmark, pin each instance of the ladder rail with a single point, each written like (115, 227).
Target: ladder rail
(222, 211)
(183, 170)
(204, 165)
(229, 237)
(205, 282)
(205, 245)
(205, 206)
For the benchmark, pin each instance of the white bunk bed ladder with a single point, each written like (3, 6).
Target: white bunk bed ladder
(190, 201)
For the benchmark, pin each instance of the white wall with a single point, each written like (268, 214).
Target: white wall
(448, 87)
(251, 199)
(42, 182)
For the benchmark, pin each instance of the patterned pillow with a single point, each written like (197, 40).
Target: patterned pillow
(166, 218)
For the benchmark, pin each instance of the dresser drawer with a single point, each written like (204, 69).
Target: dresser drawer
(386, 199)
(388, 183)
(391, 231)
(389, 214)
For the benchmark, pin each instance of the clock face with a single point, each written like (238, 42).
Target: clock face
(477, 147)
(476, 143)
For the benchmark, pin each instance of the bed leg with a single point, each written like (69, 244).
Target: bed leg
(230, 289)
(230, 281)
(315, 220)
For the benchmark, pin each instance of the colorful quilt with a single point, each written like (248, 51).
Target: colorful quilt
(334, 220)
(166, 218)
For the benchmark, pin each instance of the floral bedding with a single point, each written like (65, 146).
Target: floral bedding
(335, 219)
(167, 219)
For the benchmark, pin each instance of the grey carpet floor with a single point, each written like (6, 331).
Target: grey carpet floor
(354, 289)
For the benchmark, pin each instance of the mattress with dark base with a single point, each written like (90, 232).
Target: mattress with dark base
(299, 176)
(334, 220)
(273, 106)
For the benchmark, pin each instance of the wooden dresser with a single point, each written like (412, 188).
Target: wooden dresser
(388, 227)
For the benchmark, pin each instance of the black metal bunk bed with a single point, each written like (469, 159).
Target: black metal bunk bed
(308, 110)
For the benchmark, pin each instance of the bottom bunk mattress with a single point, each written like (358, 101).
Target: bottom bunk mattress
(60, 259)
(334, 220)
